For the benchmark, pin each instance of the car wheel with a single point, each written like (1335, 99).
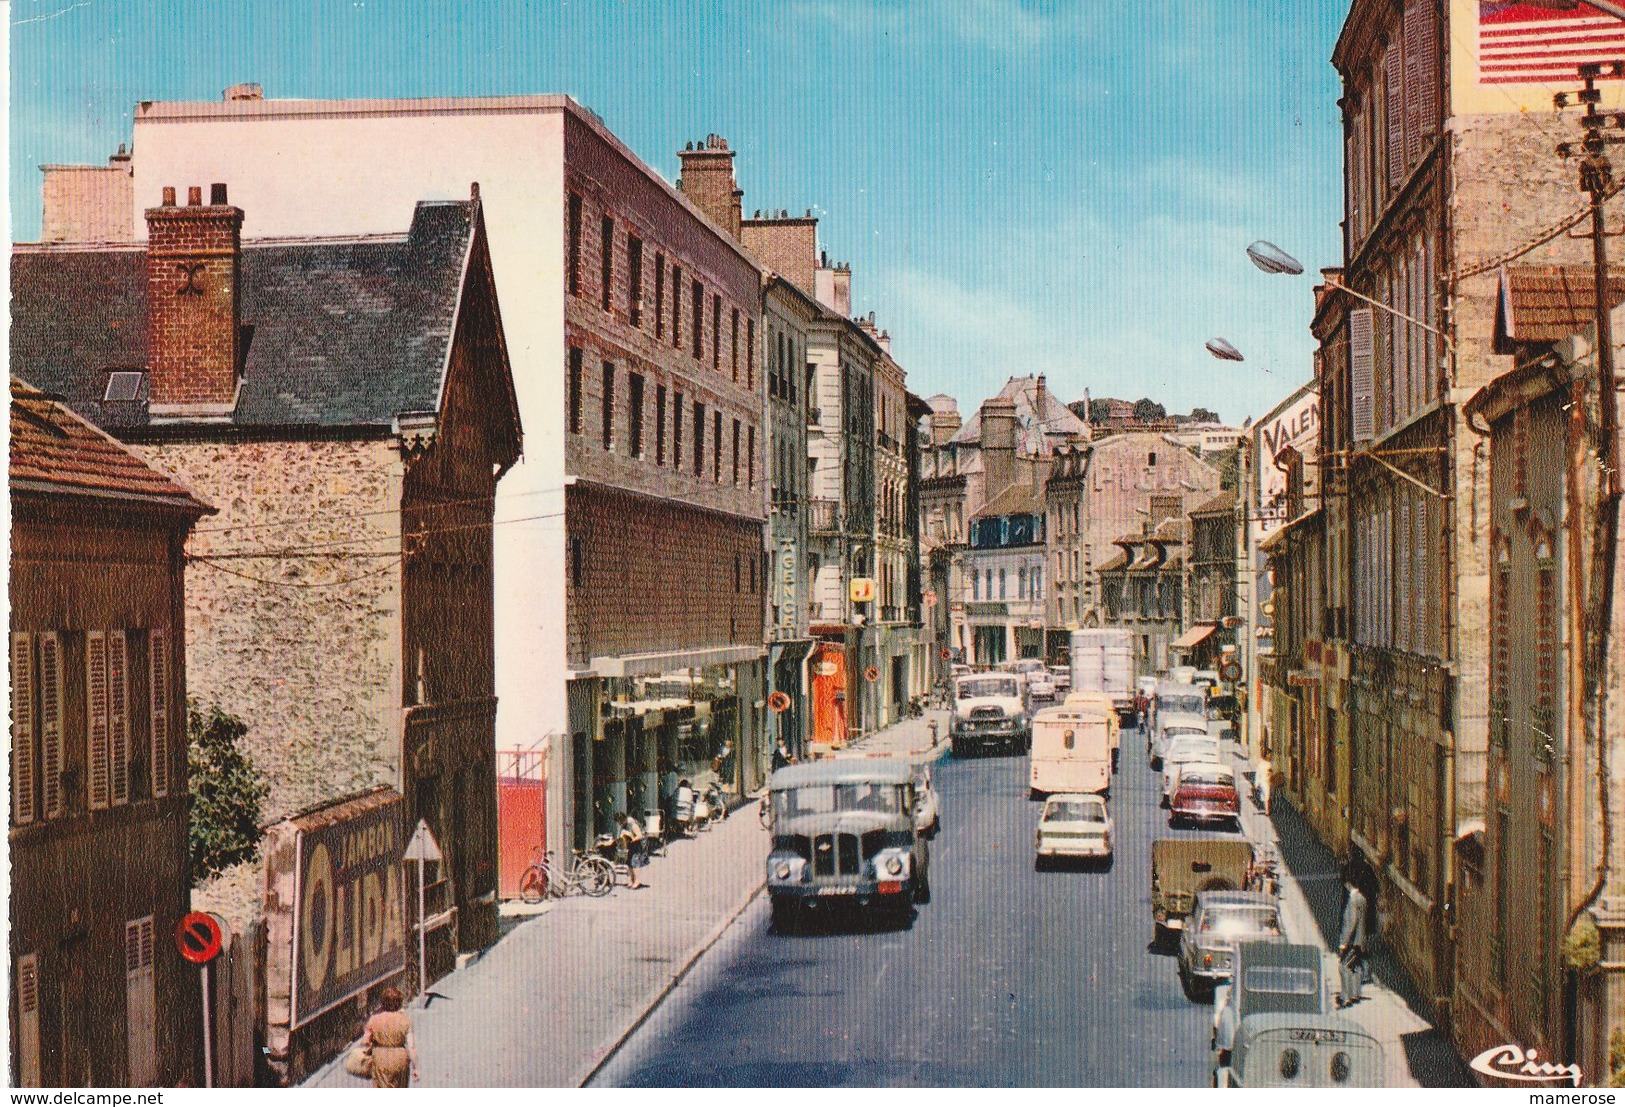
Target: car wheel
(786, 913)
(922, 888)
(1040, 863)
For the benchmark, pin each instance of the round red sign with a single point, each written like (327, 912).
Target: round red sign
(779, 702)
(871, 674)
(947, 654)
(198, 937)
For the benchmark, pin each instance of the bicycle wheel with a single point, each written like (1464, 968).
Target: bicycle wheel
(533, 885)
(597, 876)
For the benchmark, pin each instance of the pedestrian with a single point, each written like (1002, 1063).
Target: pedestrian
(781, 756)
(1262, 776)
(389, 1042)
(682, 805)
(637, 848)
(1351, 947)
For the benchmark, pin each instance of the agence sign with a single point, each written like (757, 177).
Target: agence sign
(349, 930)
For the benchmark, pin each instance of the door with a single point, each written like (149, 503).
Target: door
(140, 1003)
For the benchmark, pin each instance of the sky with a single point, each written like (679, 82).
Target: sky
(1019, 186)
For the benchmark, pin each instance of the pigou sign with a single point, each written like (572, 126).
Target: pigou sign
(350, 929)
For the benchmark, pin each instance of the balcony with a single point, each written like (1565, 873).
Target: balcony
(824, 516)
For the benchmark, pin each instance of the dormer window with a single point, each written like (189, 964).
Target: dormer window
(123, 386)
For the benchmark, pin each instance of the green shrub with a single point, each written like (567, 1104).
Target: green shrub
(227, 791)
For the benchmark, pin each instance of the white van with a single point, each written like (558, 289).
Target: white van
(1071, 751)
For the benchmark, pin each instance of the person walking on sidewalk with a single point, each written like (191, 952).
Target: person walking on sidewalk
(1351, 947)
(637, 848)
(389, 1042)
(781, 756)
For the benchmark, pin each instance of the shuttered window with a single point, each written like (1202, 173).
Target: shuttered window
(96, 722)
(1394, 76)
(140, 1003)
(1362, 373)
(1427, 49)
(50, 708)
(118, 716)
(158, 727)
(1413, 81)
(23, 747)
(1406, 573)
(28, 1021)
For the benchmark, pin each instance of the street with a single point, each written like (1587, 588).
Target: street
(1008, 977)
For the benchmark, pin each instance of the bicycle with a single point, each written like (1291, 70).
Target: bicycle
(587, 875)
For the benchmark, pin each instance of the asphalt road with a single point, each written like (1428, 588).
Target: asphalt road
(1008, 977)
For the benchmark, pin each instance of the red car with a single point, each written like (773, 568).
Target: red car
(1205, 793)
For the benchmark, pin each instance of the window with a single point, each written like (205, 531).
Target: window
(1021, 582)
(1038, 582)
(677, 307)
(107, 718)
(716, 333)
(750, 354)
(716, 446)
(140, 1003)
(697, 303)
(575, 390)
(753, 576)
(736, 571)
(677, 430)
(158, 702)
(750, 457)
(606, 251)
(734, 345)
(660, 424)
(773, 388)
(634, 280)
(123, 385)
(575, 561)
(736, 453)
(1001, 584)
(699, 439)
(660, 295)
(1150, 459)
(976, 585)
(573, 262)
(634, 412)
(609, 406)
(28, 1045)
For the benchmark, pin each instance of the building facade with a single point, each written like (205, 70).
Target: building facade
(100, 863)
(1142, 591)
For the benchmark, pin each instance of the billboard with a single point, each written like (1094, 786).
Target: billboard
(1294, 423)
(1510, 56)
(349, 925)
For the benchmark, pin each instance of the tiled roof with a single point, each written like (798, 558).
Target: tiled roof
(55, 451)
(344, 333)
(1547, 303)
(1224, 501)
(1016, 499)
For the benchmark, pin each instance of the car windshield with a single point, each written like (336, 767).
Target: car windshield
(985, 687)
(824, 799)
(1206, 774)
(1188, 704)
(1193, 751)
(1027, 666)
(1074, 811)
(1282, 979)
(1230, 922)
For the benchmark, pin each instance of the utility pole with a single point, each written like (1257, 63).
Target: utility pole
(1596, 180)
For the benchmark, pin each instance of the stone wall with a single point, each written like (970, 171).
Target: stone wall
(300, 639)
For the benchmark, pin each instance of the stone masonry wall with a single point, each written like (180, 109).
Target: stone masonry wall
(307, 651)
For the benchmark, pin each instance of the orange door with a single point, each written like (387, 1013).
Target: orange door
(827, 669)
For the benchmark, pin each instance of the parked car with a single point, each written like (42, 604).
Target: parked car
(1268, 976)
(1183, 749)
(1183, 868)
(927, 805)
(990, 711)
(1205, 792)
(1074, 826)
(1303, 1051)
(1040, 685)
(843, 832)
(1173, 706)
(1219, 920)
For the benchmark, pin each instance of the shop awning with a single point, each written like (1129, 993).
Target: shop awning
(1194, 636)
(650, 664)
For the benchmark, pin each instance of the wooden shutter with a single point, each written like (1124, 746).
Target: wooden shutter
(1406, 579)
(1395, 80)
(96, 717)
(1362, 374)
(28, 1021)
(22, 729)
(1427, 69)
(118, 716)
(50, 682)
(158, 678)
(140, 1003)
(1413, 81)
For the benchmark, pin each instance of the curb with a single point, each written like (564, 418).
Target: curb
(606, 1052)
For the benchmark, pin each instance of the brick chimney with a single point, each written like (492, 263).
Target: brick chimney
(786, 244)
(192, 305)
(707, 179)
(998, 443)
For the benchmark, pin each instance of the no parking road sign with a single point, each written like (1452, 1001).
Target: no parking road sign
(199, 938)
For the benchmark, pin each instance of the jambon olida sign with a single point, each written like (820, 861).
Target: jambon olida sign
(349, 923)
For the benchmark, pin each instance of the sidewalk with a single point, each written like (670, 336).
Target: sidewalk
(909, 738)
(1418, 1053)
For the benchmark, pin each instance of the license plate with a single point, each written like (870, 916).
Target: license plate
(890, 887)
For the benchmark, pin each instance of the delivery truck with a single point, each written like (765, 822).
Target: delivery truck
(1103, 661)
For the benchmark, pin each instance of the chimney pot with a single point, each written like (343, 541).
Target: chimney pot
(217, 194)
(194, 196)
(473, 190)
(169, 196)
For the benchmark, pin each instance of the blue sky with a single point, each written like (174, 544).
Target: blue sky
(1019, 186)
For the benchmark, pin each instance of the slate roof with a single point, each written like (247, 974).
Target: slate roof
(1548, 303)
(1019, 498)
(344, 333)
(55, 451)
(1058, 419)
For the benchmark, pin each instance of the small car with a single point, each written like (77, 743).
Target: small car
(1074, 825)
(1040, 685)
(1217, 922)
(1184, 748)
(1269, 976)
(927, 807)
(1205, 792)
(1303, 1051)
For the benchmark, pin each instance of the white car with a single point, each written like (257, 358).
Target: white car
(1170, 727)
(1186, 750)
(927, 808)
(1074, 825)
(1040, 685)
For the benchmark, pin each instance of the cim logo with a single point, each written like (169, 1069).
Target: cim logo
(1510, 1062)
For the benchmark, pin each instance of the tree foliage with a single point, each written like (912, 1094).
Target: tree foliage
(227, 791)
(1204, 415)
(1147, 409)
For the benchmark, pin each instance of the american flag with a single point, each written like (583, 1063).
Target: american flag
(1545, 44)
